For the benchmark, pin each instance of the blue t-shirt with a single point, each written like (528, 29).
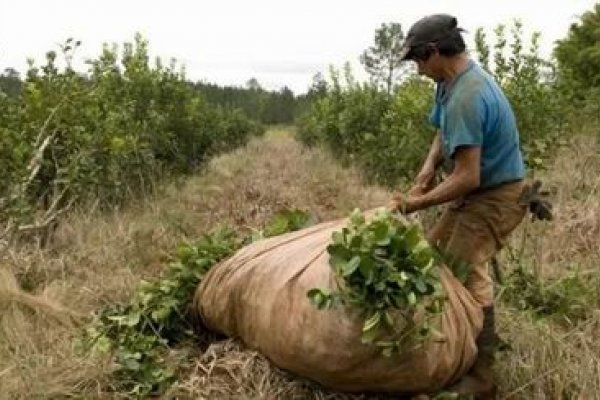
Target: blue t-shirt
(473, 111)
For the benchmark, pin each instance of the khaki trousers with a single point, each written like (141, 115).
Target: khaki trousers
(472, 230)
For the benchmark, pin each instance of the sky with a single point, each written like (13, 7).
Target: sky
(228, 42)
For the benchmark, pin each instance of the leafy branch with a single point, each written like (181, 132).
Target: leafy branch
(140, 333)
(387, 271)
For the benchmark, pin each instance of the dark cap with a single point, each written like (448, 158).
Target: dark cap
(428, 30)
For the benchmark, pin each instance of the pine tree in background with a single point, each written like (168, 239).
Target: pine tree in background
(382, 60)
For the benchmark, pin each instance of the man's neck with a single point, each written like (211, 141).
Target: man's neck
(454, 67)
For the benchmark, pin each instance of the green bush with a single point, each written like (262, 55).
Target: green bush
(397, 150)
(106, 134)
(567, 299)
(385, 135)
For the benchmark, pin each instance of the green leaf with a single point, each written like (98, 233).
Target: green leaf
(278, 226)
(338, 238)
(399, 300)
(161, 313)
(384, 242)
(321, 298)
(286, 221)
(412, 237)
(298, 219)
(339, 251)
(366, 267)
(447, 396)
(389, 320)
(369, 336)
(371, 276)
(357, 218)
(351, 266)
(421, 246)
(356, 242)
(103, 344)
(429, 265)
(372, 321)
(313, 293)
(412, 298)
(381, 231)
(337, 263)
(132, 319)
(420, 285)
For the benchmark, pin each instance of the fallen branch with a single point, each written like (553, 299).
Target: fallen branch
(47, 219)
(33, 169)
(36, 162)
(47, 122)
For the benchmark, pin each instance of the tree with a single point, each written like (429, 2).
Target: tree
(253, 84)
(10, 82)
(578, 55)
(382, 60)
(482, 49)
(279, 107)
(266, 106)
(318, 87)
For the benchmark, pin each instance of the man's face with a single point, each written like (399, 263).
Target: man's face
(424, 68)
(429, 65)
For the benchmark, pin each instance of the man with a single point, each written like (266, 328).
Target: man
(477, 138)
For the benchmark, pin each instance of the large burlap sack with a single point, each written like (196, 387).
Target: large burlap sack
(259, 295)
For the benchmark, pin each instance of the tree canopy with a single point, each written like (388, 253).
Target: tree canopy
(578, 55)
(382, 60)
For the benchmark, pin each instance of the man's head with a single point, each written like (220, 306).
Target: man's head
(431, 41)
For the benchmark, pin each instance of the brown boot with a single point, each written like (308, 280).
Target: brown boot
(480, 381)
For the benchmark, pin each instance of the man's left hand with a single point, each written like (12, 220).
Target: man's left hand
(405, 204)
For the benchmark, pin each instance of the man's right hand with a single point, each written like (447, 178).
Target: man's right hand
(423, 181)
(417, 190)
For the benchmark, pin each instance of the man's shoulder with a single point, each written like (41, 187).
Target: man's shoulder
(475, 80)
(472, 90)
(482, 80)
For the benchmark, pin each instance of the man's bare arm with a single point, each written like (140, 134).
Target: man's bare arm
(435, 156)
(464, 178)
(424, 179)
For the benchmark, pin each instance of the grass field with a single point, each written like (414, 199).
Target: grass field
(549, 314)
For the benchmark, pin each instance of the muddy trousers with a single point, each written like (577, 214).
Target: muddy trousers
(469, 233)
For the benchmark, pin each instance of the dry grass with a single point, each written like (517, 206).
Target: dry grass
(96, 259)
(226, 370)
(550, 360)
(547, 362)
(47, 294)
(38, 359)
(574, 183)
(575, 178)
